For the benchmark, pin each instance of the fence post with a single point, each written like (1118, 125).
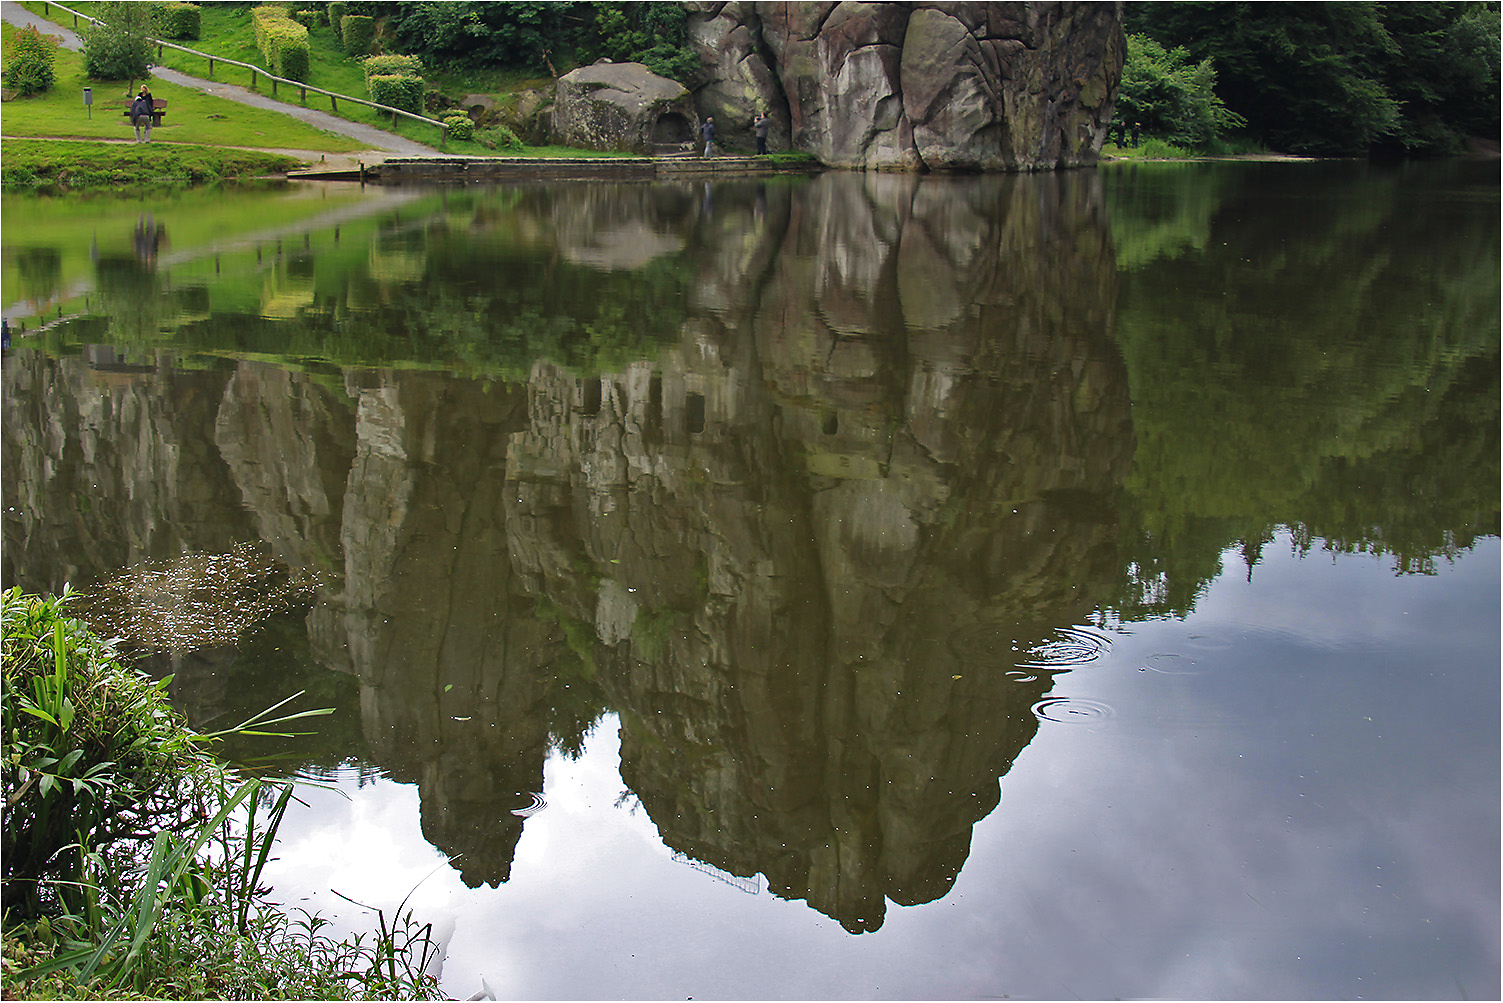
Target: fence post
(211, 67)
(443, 136)
(253, 79)
(304, 91)
(333, 103)
(273, 86)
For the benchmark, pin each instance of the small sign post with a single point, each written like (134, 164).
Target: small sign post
(88, 100)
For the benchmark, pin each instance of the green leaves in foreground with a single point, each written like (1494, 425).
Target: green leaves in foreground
(133, 859)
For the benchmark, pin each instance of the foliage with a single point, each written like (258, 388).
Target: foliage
(460, 126)
(32, 55)
(499, 137)
(397, 91)
(653, 34)
(119, 46)
(1343, 77)
(357, 33)
(336, 12)
(180, 20)
(282, 41)
(133, 859)
(535, 36)
(1172, 98)
(392, 65)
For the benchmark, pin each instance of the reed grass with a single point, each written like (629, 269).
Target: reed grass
(133, 860)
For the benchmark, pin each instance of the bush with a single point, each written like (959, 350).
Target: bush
(405, 93)
(460, 127)
(391, 66)
(283, 42)
(179, 20)
(358, 34)
(31, 58)
(307, 18)
(335, 13)
(499, 138)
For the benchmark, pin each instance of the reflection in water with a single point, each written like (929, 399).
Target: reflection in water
(812, 489)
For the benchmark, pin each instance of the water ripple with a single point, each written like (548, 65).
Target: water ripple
(1072, 710)
(537, 804)
(1070, 647)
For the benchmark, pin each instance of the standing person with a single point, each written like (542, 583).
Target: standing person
(1136, 126)
(707, 132)
(140, 113)
(761, 124)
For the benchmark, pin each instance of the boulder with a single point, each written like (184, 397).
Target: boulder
(621, 106)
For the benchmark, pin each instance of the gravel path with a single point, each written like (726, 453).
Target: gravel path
(379, 141)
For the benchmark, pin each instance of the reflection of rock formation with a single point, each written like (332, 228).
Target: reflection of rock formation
(797, 550)
(822, 530)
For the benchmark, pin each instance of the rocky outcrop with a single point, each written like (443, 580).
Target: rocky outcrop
(926, 86)
(621, 106)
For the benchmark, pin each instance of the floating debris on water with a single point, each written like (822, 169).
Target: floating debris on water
(198, 600)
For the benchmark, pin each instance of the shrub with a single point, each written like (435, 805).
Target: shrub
(31, 58)
(307, 18)
(460, 127)
(391, 66)
(283, 42)
(179, 20)
(336, 15)
(398, 92)
(499, 138)
(358, 34)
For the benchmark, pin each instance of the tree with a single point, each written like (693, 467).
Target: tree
(1171, 97)
(119, 46)
(1306, 76)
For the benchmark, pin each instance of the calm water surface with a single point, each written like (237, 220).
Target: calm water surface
(1083, 585)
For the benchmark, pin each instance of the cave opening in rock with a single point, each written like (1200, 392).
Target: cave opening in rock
(671, 127)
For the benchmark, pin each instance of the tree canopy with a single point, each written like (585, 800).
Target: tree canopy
(1343, 77)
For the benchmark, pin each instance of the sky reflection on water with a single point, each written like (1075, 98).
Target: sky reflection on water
(1277, 823)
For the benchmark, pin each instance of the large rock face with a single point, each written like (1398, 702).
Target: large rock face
(621, 106)
(914, 86)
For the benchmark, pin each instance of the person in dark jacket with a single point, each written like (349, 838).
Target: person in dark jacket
(707, 132)
(140, 113)
(761, 126)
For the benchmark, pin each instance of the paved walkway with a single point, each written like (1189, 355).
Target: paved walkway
(381, 143)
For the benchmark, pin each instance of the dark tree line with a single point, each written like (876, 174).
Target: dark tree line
(1342, 78)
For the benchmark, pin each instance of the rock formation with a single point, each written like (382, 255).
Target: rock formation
(914, 86)
(621, 106)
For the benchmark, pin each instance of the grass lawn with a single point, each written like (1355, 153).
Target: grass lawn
(192, 116)
(228, 32)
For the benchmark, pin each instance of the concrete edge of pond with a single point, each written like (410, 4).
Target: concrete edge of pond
(388, 168)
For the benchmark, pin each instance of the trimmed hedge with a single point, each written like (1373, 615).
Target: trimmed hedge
(358, 34)
(283, 42)
(31, 59)
(179, 20)
(307, 18)
(398, 92)
(336, 15)
(460, 126)
(391, 66)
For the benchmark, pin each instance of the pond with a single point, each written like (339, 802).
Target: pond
(861, 586)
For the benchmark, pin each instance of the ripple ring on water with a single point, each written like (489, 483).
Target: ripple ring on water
(1070, 647)
(1072, 710)
(537, 805)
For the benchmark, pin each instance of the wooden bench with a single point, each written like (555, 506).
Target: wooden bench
(158, 109)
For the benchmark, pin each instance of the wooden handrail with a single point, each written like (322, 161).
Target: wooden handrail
(333, 97)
